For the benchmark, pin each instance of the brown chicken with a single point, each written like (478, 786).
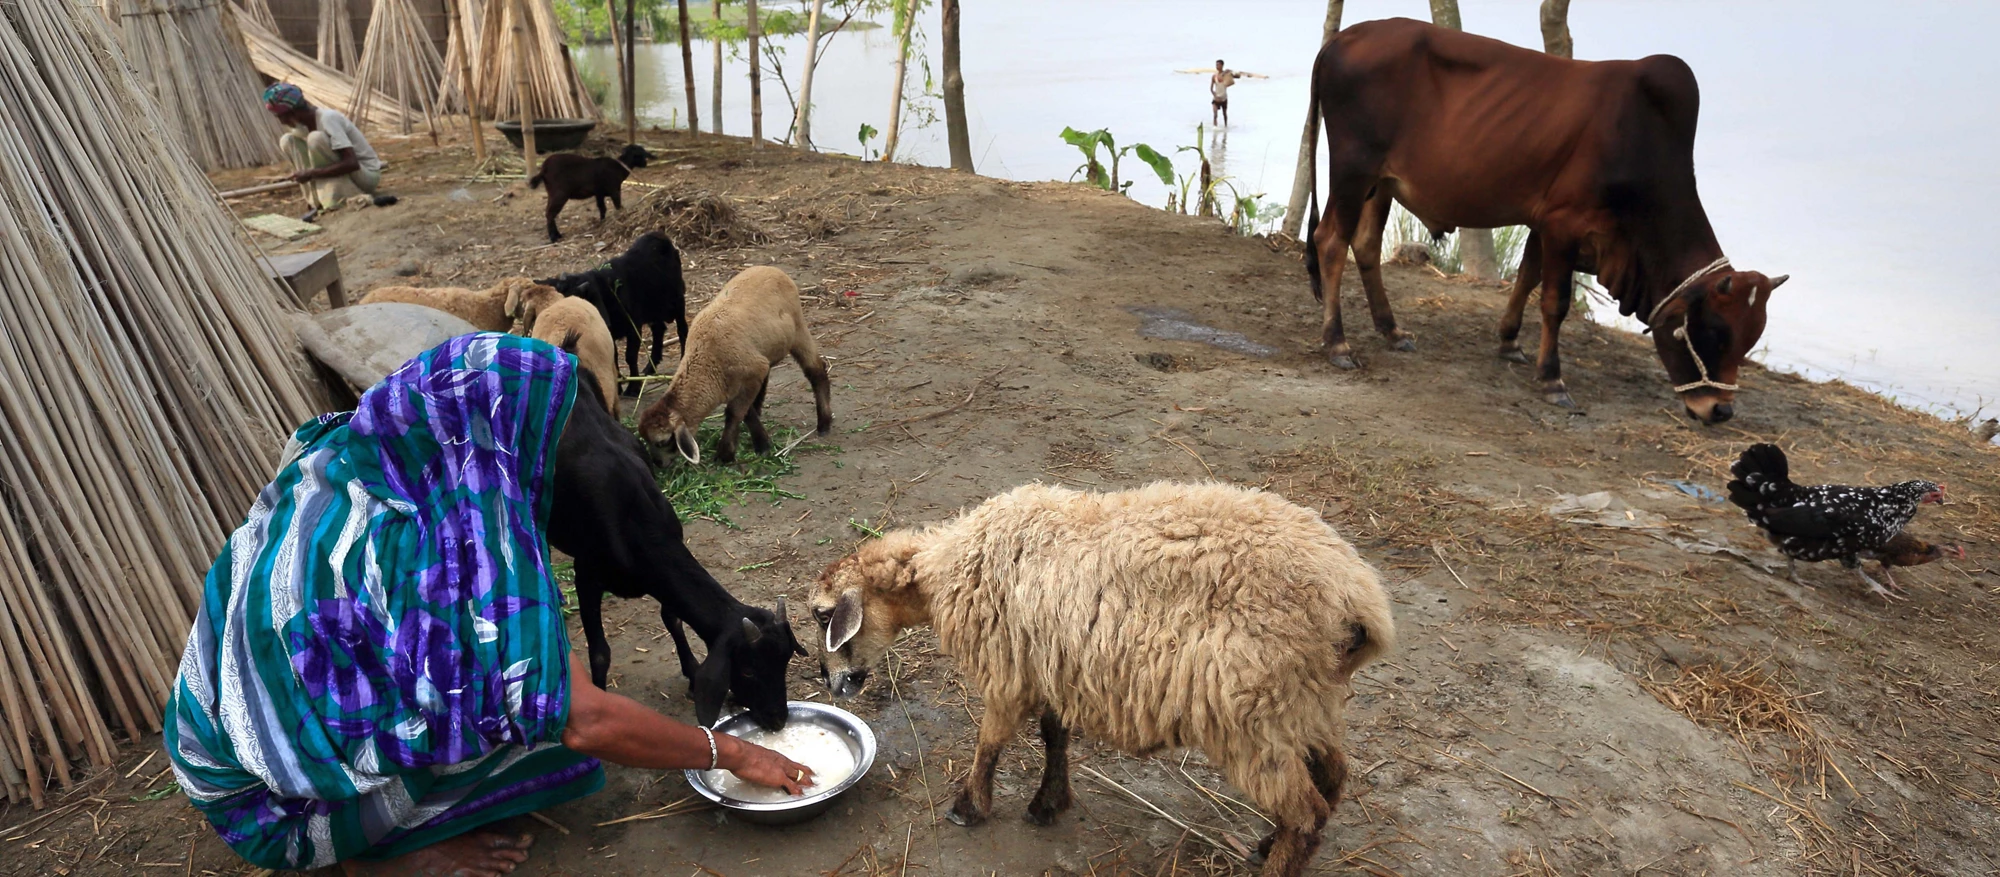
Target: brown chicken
(1907, 550)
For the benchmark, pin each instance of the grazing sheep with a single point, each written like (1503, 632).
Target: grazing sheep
(490, 310)
(1207, 616)
(641, 287)
(754, 322)
(608, 513)
(573, 178)
(574, 325)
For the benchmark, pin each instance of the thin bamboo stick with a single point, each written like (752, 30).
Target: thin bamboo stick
(460, 49)
(336, 36)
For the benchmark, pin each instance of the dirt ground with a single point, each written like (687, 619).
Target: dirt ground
(1567, 698)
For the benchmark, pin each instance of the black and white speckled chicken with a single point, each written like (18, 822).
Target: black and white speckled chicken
(1825, 521)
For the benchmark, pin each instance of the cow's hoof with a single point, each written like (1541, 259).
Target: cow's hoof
(1406, 344)
(1342, 361)
(1513, 354)
(1560, 398)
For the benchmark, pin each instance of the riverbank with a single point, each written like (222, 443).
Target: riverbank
(1638, 693)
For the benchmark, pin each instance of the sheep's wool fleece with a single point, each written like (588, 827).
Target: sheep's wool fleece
(1202, 615)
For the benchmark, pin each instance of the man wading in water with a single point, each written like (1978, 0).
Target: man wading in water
(1218, 92)
(330, 158)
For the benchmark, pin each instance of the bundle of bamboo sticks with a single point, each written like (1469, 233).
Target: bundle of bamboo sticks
(146, 383)
(399, 61)
(336, 36)
(192, 59)
(554, 90)
(322, 85)
(259, 11)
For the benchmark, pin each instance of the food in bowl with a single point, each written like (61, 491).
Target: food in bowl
(811, 745)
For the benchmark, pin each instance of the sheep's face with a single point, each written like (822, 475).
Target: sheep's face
(663, 426)
(862, 602)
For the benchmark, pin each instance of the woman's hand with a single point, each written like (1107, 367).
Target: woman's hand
(765, 767)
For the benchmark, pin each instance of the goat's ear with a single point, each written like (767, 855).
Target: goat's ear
(685, 443)
(710, 685)
(752, 634)
(846, 620)
(513, 306)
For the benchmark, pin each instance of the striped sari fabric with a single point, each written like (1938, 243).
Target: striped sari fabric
(380, 661)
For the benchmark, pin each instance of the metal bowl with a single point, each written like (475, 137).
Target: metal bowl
(551, 135)
(849, 728)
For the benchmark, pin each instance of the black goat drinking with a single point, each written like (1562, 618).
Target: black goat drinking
(573, 178)
(641, 287)
(608, 514)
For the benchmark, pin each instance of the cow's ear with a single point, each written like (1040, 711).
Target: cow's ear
(1722, 286)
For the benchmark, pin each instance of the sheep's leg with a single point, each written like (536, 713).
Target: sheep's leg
(555, 208)
(732, 420)
(1329, 773)
(754, 418)
(600, 209)
(1291, 792)
(589, 606)
(975, 800)
(681, 649)
(632, 343)
(806, 354)
(1053, 797)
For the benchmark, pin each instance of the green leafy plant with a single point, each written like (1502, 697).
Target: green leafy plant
(706, 491)
(1092, 170)
(866, 134)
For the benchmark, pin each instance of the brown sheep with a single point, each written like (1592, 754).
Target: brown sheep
(753, 323)
(490, 310)
(575, 325)
(1208, 616)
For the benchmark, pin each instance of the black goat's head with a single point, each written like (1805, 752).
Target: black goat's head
(746, 664)
(634, 156)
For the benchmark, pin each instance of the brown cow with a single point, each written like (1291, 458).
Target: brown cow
(1596, 158)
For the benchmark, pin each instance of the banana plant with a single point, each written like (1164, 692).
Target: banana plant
(1092, 170)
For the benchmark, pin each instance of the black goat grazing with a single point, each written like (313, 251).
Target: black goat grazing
(641, 287)
(573, 178)
(609, 514)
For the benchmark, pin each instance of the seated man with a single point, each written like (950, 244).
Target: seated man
(330, 158)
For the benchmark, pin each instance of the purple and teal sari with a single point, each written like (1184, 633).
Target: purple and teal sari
(380, 661)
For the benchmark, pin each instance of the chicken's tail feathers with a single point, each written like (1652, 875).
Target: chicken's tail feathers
(1760, 472)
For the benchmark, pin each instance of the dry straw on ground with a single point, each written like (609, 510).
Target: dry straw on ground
(148, 383)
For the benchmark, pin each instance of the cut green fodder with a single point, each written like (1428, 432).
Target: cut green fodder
(706, 491)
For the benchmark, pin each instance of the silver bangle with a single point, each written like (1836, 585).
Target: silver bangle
(711, 748)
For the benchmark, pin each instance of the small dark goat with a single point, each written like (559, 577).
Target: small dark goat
(609, 514)
(574, 178)
(641, 287)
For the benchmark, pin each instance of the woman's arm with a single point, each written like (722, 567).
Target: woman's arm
(620, 730)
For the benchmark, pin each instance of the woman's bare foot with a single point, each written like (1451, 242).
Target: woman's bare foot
(474, 854)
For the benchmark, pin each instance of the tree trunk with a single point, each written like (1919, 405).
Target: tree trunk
(715, 104)
(896, 99)
(687, 68)
(1305, 175)
(618, 50)
(1555, 28)
(756, 85)
(522, 88)
(465, 80)
(802, 132)
(630, 69)
(1475, 245)
(954, 92)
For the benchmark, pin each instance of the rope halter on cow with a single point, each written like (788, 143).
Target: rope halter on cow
(1682, 332)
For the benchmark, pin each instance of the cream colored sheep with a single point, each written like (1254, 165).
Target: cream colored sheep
(753, 323)
(491, 309)
(574, 324)
(1176, 615)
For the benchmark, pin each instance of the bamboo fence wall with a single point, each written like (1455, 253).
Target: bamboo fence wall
(192, 61)
(147, 379)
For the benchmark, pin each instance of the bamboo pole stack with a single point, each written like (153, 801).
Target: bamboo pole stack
(192, 58)
(398, 61)
(260, 11)
(147, 380)
(336, 36)
(554, 91)
(323, 85)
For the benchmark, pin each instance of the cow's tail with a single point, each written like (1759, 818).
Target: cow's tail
(1312, 174)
